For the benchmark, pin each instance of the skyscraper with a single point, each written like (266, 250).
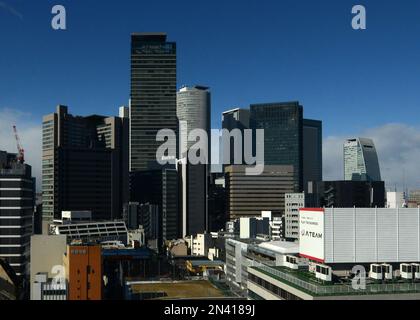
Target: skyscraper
(17, 202)
(361, 160)
(312, 151)
(283, 135)
(84, 164)
(159, 187)
(153, 95)
(249, 195)
(193, 197)
(236, 119)
(193, 108)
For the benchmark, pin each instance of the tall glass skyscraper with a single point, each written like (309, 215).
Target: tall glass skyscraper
(312, 151)
(283, 135)
(361, 160)
(153, 95)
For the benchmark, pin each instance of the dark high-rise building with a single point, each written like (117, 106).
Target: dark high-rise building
(346, 194)
(193, 198)
(159, 187)
(17, 203)
(84, 164)
(217, 210)
(283, 135)
(153, 95)
(236, 119)
(312, 151)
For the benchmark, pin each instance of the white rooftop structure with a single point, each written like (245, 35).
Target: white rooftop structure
(282, 247)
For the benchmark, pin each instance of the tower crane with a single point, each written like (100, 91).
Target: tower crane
(21, 153)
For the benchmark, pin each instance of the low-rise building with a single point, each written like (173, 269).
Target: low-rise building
(46, 258)
(380, 246)
(242, 254)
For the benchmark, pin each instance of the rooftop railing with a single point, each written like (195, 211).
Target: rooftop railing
(340, 288)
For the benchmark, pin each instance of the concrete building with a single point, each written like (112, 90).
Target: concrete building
(44, 288)
(46, 258)
(200, 244)
(193, 108)
(193, 111)
(17, 205)
(361, 160)
(83, 265)
(249, 195)
(284, 283)
(312, 151)
(293, 202)
(85, 164)
(277, 229)
(242, 254)
(396, 200)
(153, 95)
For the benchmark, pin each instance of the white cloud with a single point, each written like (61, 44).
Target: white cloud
(398, 148)
(30, 133)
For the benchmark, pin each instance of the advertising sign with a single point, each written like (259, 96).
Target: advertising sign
(311, 238)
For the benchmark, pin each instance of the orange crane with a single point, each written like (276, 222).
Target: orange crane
(21, 153)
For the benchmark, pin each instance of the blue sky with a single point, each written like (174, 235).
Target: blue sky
(246, 51)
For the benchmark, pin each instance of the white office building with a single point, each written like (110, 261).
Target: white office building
(360, 235)
(293, 202)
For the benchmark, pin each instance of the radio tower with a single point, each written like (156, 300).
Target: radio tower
(21, 153)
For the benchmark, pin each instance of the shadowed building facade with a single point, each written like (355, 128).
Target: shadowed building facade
(153, 95)
(283, 135)
(84, 164)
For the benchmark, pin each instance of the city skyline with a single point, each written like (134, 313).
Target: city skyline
(315, 77)
(223, 151)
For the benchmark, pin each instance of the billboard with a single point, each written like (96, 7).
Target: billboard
(311, 234)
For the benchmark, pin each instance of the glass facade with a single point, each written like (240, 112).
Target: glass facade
(361, 160)
(283, 135)
(312, 151)
(153, 95)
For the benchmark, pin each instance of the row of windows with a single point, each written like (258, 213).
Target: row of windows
(283, 294)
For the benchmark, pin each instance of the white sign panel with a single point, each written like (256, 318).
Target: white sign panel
(311, 239)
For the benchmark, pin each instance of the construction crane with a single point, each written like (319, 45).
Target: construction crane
(21, 153)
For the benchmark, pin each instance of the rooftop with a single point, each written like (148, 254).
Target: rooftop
(283, 247)
(179, 290)
(307, 282)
